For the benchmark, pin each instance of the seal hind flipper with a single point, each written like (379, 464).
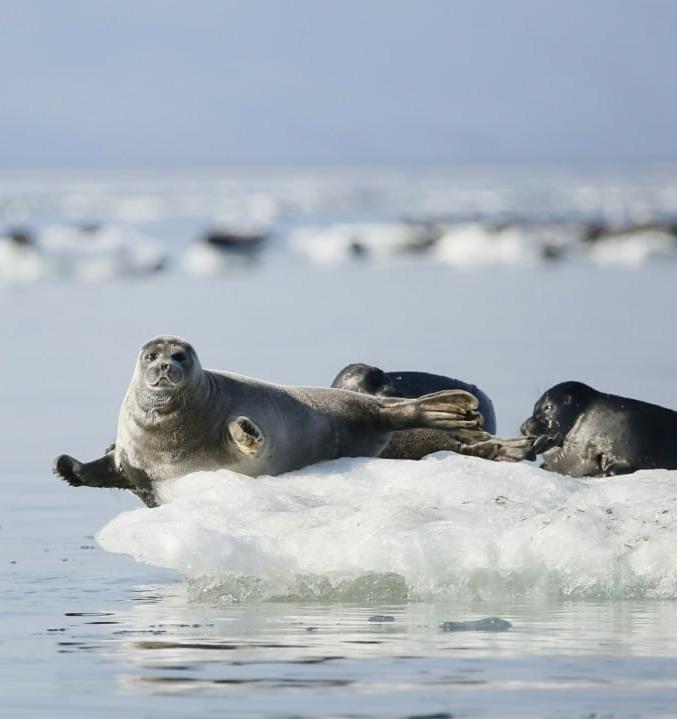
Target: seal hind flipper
(476, 443)
(448, 409)
(612, 466)
(101, 472)
(246, 435)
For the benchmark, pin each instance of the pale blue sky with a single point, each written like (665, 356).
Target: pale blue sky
(173, 82)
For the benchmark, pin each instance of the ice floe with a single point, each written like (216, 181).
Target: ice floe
(444, 526)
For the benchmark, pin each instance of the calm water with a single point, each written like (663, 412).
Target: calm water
(92, 634)
(87, 633)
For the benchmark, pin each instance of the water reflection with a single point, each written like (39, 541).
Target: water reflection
(124, 649)
(166, 644)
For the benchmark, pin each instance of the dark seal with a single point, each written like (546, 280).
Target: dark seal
(585, 433)
(367, 379)
(178, 418)
(414, 444)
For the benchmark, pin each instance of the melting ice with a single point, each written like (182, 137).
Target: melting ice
(392, 529)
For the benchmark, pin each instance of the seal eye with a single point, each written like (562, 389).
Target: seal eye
(179, 356)
(150, 356)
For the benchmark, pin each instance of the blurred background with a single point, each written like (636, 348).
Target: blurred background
(481, 190)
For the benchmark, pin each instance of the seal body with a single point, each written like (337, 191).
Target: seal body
(581, 432)
(177, 418)
(300, 425)
(372, 380)
(417, 443)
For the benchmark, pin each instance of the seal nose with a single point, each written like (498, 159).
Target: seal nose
(164, 366)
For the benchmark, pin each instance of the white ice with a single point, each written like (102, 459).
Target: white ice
(343, 241)
(101, 253)
(633, 249)
(445, 526)
(70, 252)
(472, 244)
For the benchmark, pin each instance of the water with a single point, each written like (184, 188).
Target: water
(93, 633)
(97, 636)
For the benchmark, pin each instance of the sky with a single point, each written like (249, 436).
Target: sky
(300, 82)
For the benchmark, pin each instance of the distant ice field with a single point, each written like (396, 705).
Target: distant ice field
(89, 227)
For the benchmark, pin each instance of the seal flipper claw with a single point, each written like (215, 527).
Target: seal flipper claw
(444, 399)
(448, 409)
(67, 468)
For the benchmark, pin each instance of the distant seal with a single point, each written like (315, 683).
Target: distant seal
(20, 237)
(177, 418)
(416, 443)
(585, 433)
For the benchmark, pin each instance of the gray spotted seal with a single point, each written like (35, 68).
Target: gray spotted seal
(585, 433)
(177, 418)
(416, 443)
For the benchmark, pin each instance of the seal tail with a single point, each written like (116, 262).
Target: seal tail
(447, 410)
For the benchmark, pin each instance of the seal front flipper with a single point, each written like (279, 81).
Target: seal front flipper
(246, 435)
(449, 409)
(99, 473)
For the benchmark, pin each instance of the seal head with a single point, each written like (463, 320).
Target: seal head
(555, 414)
(581, 432)
(166, 367)
(364, 378)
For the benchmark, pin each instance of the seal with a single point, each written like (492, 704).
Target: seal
(177, 418)
(416, 443)
(368, 379)
(585, 433)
